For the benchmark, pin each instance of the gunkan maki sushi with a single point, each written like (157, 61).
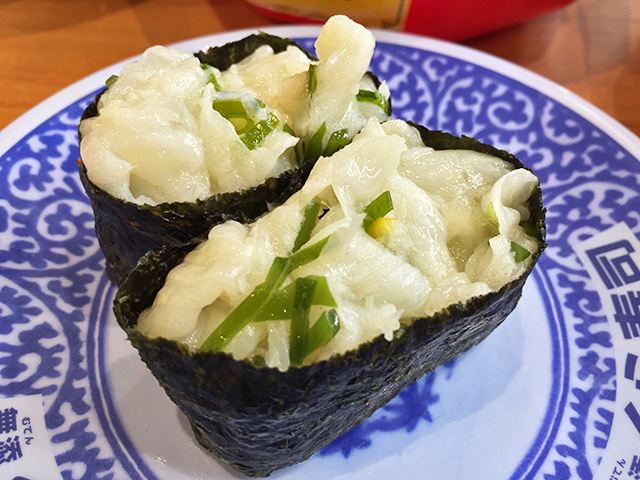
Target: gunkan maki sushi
(179, 141)
(400, 252)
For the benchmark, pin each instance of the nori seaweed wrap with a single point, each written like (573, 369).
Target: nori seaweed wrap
(239, 105)
(260, 418)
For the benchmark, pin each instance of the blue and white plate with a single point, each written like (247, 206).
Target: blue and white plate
(553, 394)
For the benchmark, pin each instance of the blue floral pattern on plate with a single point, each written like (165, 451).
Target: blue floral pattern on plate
(55, 299)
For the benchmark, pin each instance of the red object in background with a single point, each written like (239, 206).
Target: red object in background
(447, 19)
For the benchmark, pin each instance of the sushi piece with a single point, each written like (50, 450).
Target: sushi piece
(400, 252)
(179, 142)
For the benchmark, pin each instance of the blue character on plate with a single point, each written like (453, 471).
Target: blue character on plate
(630, 374)
(634, 468)
(617, 268)
(8, 422)
(614, 263)
(627, 313)
(10, 450)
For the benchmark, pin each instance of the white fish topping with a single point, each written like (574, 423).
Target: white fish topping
(158, 137)
(440, 247)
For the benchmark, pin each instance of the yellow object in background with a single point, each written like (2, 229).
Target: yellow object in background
(390, 14)
(448, 19)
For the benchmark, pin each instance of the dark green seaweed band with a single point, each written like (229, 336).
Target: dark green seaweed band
(126, 231)
(261, 419)
(224, 56)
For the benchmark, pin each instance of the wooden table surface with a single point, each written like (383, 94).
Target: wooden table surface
(591, 47)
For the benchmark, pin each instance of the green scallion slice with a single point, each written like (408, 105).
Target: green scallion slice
(520, 252)
(323, 331)
(491, 215)
(111, 80)
(378, 208)
(212, 76)
(214, 81)
(309, 254)
(287, 129)
(303, 298)
(280, 306)
(230, 107)
(323, 294)
(313, 148)
(251, 306)
(309, 220)
(312, 83)
(296, 148)
(337, 140)
(241, 316)
(242, 125)
(245, 313)
(376, 98)
(258, 361)
(256, 135)
(529, 228)
(234, 110)
(278, 272)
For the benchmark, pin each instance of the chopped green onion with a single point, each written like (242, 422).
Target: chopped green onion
(323, 331)
(280, 307)
(241, 316)
(323, 294)
(521, 253)
(214, 81)
(230, 107)
(529, 228)
(309, 254)
(212, 77)
(278, 272)
(337, 140)
(241, 113)
(309, 220)
(378, 208)
(491, 215)
(313, 148)
(297, 147)
(312, 83)
(303, 298)
(376, 98)
(258, 361)
(251, 306)
(242, 125)
(234, 111)
(287, 129)
(111, 80)
(256, 135)
(244, 313)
